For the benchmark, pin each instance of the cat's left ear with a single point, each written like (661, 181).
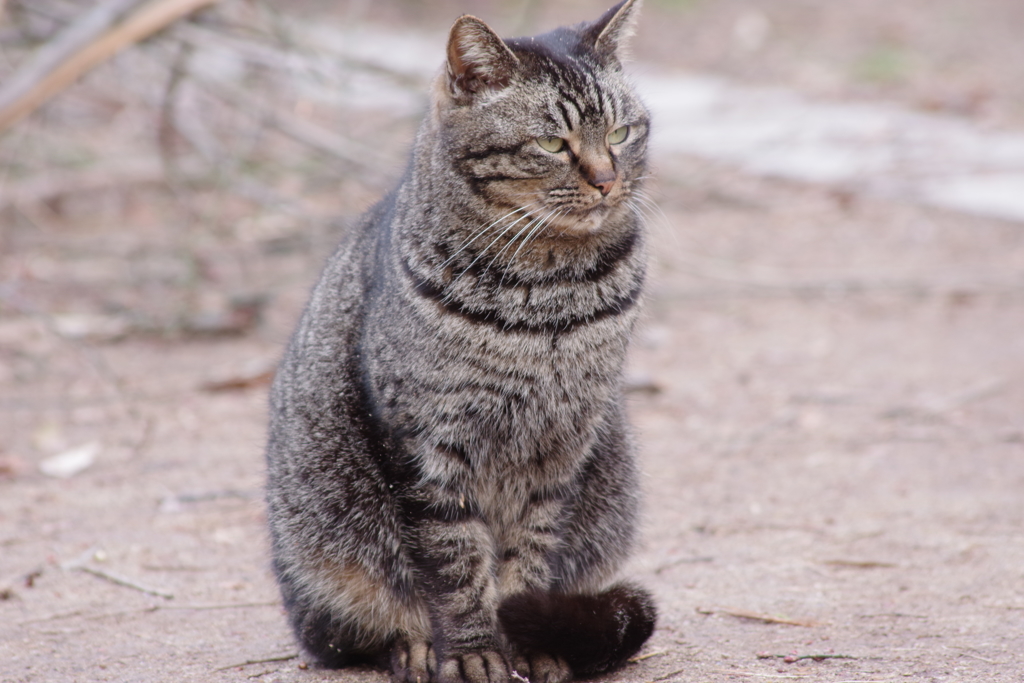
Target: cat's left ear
(611, 33)
(478, 59)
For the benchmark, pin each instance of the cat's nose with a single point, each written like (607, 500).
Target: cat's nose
(603, 180)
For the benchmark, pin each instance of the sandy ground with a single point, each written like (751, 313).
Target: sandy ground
(828, 396)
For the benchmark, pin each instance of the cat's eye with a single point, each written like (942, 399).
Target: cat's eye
(618, 136)
(550, 143)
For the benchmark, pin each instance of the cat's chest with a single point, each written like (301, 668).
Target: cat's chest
(547, 372)
(508, 382)
(534, 398)
(498, 395)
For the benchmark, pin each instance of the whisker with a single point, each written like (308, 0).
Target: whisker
(538, 222)
(510, 243)
(478, 233)
(492, 243)
(536, 231)
(649, 203)
(650, 212)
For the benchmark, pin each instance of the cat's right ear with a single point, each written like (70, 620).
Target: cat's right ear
(611, 33)
(478, 60)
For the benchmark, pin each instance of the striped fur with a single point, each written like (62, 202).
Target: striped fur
(447, 432)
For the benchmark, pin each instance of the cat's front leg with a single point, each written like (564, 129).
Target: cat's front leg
(528, 542)
(453, 555)
(525, 567)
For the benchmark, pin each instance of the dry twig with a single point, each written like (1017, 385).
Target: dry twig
(640, 658)
(36, 87)
(763, 618)
(127, 583)
(280, 658)
(73, 38)
(789, 659)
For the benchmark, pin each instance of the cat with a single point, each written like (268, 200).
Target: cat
(451, 483)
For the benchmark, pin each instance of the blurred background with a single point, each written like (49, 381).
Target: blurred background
(199, 169)
(176, 187)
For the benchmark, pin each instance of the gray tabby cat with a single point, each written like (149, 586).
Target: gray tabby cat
(451, 484)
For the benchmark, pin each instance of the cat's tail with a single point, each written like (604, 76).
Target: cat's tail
(594, 633)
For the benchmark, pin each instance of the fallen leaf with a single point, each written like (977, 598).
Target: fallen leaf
(69, 463)
(88, 327)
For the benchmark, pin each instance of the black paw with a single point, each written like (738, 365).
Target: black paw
(593, 633)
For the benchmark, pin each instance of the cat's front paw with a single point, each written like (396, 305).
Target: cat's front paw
(538, 667)
(482, 666)
(412, 662)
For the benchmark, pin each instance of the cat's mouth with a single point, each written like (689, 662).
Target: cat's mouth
(583, 220)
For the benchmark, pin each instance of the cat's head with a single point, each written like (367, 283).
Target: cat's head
(547, 124)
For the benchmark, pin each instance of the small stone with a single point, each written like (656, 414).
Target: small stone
(71, 462)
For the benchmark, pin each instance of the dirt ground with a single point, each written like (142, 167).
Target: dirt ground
(827, 391)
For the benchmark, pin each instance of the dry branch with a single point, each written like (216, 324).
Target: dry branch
(126, 583)
(248, 662)
(69, 41)
(758, 616)
(141, 24)
(640, 658)
(790, 659)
